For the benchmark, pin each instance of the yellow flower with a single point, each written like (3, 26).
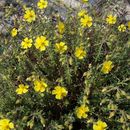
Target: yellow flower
(128, 24)
(29, 15)
(122, 28)
(42, 4)
(41, 43)
(107, 67)
(111, 19)
(84, 1)
(80, 52)
(61, 47)
(100, 125)
(22, 89)
(5, 124)
(26, 43)
(82, 13)
(14, 32)
(86, 21)
(81, 112)
(59, 92)
(39, 85)
(61, 27)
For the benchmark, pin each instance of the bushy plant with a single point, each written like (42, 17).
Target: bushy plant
(64, 74)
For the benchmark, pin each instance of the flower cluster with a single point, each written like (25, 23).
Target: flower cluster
(70, 72)
(40, 86)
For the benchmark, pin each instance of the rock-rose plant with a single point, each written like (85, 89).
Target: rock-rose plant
(64, 73)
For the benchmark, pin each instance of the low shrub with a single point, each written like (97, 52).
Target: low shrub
(64, 74)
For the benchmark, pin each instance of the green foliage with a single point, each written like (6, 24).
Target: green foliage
(106, 95)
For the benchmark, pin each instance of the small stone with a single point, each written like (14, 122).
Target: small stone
(2, 3)
(1, 13)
